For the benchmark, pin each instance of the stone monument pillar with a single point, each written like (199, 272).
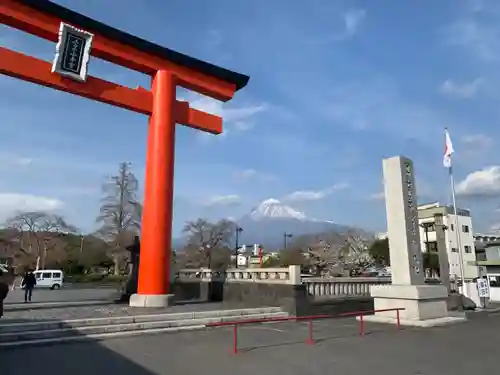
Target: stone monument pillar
(424, 305)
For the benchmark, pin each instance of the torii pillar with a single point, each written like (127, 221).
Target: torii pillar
(78, 37)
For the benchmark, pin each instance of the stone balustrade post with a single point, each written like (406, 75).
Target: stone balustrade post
(294, 275)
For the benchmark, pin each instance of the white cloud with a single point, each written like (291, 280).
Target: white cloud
(223, 200)
(379, 105)
(423, 191)
(12, 161)
(483, 183)
(461, 90)
(240, 118)
(246, 174)
(477, 141)
(494, 228)
(353, 20)
(476, 29)
(313, 195)
(10, 203)
(377, 196)
(80, 191)
(252, 174)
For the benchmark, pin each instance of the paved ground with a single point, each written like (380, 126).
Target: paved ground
(97, 311)
(463, 349)
(70, 294)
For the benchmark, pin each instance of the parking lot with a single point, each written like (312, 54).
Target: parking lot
(66, 294)
(461, 349)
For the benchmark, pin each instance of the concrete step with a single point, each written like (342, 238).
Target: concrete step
(36, 333)
(54, 324)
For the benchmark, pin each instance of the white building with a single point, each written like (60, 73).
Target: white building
(426, 217)
(426, 214)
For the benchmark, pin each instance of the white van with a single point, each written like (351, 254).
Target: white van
(52, 279)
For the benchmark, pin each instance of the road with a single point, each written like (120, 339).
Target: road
(463, 349)
(65, 294)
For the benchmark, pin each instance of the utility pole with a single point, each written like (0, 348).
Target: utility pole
(238, 231)
(285, 237)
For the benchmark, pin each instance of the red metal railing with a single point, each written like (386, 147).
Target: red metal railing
(310, 339)
(361, 314)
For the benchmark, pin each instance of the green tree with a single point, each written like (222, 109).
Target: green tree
(271, 262)
(120, 213)
(379, 251)
(292, 257)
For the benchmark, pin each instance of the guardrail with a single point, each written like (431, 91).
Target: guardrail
(361, 314)
(310, 338)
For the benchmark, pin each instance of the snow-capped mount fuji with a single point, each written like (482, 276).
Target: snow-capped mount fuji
(274, 209)
(267, 223)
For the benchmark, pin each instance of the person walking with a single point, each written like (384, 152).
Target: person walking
(29, 282)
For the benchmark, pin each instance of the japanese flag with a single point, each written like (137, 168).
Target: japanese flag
(448, 149)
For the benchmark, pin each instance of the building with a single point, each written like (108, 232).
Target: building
(426, 219)
(488, 262)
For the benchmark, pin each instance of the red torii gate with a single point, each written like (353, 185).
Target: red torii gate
(168, 70)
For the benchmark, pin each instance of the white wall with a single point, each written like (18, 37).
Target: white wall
(466, 239)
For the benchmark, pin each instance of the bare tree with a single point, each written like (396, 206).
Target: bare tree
(120, 212)
(357, 252)
(206, 238)
(40, 229)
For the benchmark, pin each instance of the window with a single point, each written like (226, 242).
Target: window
(495, 281)
(454, 250)
(465, 228)
(38, 274)
(56, 275)
(46, 275)
(467, 249)
(452, 227)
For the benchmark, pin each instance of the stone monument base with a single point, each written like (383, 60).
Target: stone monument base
(153, 300)
(424, 305)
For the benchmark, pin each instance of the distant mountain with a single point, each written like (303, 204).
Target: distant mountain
(267, 223)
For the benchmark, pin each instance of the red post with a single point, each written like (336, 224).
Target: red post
(156, 241)
(235, 339)
(361, 326)
(310, 339)
(398, 320)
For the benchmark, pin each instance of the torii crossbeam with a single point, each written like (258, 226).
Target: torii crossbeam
(168, 70)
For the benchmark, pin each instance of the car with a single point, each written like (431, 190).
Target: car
(52, 279)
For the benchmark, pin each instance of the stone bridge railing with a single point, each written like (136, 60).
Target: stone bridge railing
(289, 275)
(317, 286)
(342, 286)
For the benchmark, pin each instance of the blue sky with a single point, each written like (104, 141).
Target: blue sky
(336, 85)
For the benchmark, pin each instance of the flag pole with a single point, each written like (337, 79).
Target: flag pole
(457, 232)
